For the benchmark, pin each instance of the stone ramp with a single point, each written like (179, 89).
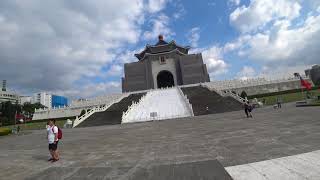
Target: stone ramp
(201, 98)
(113, 114)
(205, 170)
(167, 103)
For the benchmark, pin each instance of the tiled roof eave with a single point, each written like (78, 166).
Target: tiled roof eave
(138, 55)
(162, 53)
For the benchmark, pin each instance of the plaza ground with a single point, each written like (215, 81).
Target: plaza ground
(130, 151)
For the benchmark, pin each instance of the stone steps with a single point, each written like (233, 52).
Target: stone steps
(113, 115)
(205, 101)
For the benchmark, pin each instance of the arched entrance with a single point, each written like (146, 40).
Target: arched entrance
(165, 79)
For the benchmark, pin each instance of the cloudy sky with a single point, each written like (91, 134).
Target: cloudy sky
(77, 48)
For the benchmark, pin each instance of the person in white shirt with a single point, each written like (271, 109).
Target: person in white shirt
(52, 134)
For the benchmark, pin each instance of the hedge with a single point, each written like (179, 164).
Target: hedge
(57, 119)
(278, 93)
(4, 131)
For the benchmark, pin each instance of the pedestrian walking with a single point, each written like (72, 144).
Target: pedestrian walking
(279, 102)
(248, 109)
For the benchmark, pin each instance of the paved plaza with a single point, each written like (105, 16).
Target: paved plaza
(196, 147)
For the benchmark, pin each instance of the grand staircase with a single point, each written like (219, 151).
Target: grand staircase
(205, 101)
(159, 104)
(113, 114)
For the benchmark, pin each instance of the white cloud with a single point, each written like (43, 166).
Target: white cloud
(314, 4)
(282, 44)
(246, 72)
(160, 25)
(238, 43)
(115, 70)
(278, 72)
(234, 2)
(211, 3)
(179, 9)
(193, 36)
(53, 46)
(92, 90)
(156, 5)
(212, 57)
(260, 12)
(127, 56)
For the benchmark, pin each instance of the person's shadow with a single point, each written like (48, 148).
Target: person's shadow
(40, 157)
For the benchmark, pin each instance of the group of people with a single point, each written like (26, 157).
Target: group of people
(249, 107)
(54, 133)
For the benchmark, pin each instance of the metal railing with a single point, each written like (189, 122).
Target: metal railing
(225, 93)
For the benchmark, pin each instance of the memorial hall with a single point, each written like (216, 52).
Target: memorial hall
(164, 64)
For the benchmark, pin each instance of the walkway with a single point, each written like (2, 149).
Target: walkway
(300, 167)
(122, 151)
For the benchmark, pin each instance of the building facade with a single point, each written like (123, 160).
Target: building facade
(164, 65)
(8, 95)
(58, 101)
(49, 100)
(25, 99)
(42, 98)
(314, 74)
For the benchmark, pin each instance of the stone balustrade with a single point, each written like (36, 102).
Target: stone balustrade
(75, 108)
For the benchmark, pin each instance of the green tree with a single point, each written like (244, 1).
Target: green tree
(8, 111)
(5, 121)
(82, 112)
(28, 108)
(243, 94)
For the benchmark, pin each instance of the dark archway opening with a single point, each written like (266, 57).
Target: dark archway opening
(165, 79)
(243, 94)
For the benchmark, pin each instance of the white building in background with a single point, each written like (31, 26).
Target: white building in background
(49, 100)
(43, 98)
(8, 95)
(25, 99)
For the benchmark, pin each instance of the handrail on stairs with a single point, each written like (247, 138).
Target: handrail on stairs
(224, 93)
(186, 100)
(99, 108)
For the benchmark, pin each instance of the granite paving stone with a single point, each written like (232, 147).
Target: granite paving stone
(154, 148)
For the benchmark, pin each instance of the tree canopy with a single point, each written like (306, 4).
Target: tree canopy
(8, 111)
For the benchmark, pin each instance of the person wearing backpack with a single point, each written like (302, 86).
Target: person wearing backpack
(247, 109)
(54, 134)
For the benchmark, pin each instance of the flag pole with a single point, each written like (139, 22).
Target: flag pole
(15, 118)
(301, 85)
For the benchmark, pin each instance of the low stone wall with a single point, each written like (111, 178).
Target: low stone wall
(269, 88)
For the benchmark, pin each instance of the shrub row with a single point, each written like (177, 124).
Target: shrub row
(57, 119)
(4, 131)
(278, 93)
